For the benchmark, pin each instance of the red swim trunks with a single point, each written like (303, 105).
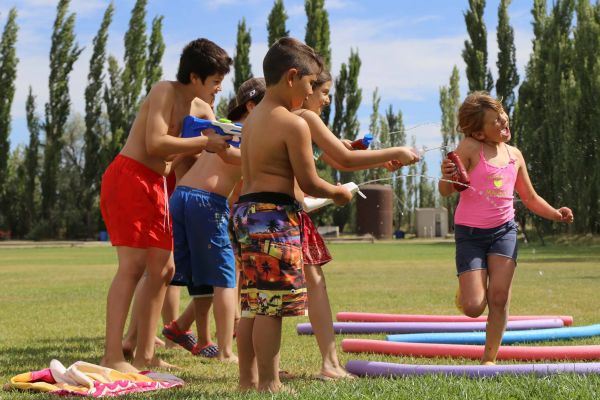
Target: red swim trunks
(314, 250)
(134, 205)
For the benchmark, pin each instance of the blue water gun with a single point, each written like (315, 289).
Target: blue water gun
(363, 143)
(193, 126)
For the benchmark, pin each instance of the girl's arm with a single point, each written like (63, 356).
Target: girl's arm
(337, 151)
(532, 200)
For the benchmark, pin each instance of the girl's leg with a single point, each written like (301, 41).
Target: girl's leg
(170, 309)
(473, 288)
(201, 309)
(187, 317)
(501, 271)
(319, 313)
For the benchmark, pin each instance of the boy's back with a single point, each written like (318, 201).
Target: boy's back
(265, 156)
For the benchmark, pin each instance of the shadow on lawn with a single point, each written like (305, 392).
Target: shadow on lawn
(36, 356)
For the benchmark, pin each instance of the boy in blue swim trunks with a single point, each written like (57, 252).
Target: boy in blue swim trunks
(266, 219)
(204, 258)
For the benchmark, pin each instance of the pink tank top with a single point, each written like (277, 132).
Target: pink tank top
(488, 203)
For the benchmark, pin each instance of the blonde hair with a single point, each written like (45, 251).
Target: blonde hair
(472, 112)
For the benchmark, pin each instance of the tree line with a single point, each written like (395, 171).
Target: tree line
(49, 188)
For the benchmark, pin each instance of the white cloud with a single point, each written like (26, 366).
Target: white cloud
(339, 4)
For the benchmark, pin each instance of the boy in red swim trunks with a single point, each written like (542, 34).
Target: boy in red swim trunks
(134, 202)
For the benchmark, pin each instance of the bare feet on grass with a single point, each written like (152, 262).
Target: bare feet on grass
(334, 374)
(232, 358)
(119, 365)
(155, 363)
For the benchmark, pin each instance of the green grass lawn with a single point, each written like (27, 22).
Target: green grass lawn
(52, 306)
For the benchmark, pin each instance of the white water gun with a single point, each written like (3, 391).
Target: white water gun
(312, 204)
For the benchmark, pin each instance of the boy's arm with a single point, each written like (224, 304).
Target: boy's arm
(298, 144)
(532, 200)
(231, 156)
(352, 160)
(158, 142)
(333, 163)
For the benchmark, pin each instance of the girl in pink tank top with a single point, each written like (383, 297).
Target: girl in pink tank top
(485, 232)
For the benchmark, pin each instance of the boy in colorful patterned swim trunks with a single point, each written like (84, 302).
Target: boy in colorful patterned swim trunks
(133, 197)
(266, 218)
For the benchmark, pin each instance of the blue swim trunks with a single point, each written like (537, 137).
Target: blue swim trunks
(474, 245)
(202, 249)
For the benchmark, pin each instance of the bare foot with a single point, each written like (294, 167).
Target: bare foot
(155, 363)
(169, 344)
(120, 365)
(247, 387)
(278, 388)
(228, 359)
(159, 342)
(488, 363)
(128, 348)
(334, 373)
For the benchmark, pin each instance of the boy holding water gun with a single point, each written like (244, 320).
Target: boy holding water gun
(133, 199)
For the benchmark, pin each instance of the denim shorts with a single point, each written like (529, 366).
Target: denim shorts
(474, 245)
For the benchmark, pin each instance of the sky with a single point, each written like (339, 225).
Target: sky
(408, 48)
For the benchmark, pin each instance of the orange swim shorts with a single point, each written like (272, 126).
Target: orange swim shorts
(134, 205)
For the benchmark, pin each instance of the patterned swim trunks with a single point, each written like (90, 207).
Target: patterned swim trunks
(267, 235)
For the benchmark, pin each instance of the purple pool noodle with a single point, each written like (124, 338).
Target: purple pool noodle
(428, 327)
(382, 369)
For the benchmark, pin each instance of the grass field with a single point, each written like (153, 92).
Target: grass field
(52, 306)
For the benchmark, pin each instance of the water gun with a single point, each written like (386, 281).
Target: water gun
(193, 126)
(461, 173)
(311, 203)
(363, 143)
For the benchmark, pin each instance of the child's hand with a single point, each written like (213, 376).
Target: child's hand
(347, 144)
(448, 169)
(392, 165)
(216, 142)
(407, 155)
(342, 196)
(565, 214)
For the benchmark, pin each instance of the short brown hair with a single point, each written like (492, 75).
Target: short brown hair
(472, 111)
(324, 77)
(289, 53)
(204, 58)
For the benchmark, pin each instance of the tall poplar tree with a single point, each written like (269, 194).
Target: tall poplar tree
(318, 37)
(8, 74)
(397, 133)
(317, 29)
(475, 52)
(63, 54)
(241, 58)
(346, 123)
(449, 103)
(584, 140)
(134, 70)
(31, 163)
(156, 50)
(115, 111)
(276, 22)
(94, 127)
(508, 77)
(94, 130)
